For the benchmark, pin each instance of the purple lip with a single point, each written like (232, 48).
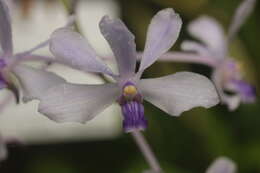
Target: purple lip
(247, 91)
(133, 113)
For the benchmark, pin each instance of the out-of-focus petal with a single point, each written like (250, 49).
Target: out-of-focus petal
(232, 102)
(179, 92)
(77, 103)
(70, 48)
(241, 14)
(162, 33)
(3, 149)
(196, 47)
(5, 29)
(222, 165)
(122, 42)
(35, 82)
(209, 31)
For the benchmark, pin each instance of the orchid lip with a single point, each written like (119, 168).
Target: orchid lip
(134, 119)
(247, 91)
(132, 108)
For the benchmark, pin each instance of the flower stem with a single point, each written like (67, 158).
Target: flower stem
(146, 151)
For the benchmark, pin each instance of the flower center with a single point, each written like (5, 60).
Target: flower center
(130, 90)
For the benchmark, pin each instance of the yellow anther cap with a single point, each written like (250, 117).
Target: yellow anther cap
(130, 90)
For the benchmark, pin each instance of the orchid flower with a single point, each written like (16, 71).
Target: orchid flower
(7, 58)
(222, 165)
(65, 102)
(3, 149)
(212, 51)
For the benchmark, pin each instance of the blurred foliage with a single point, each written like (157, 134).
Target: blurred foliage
(185, 144)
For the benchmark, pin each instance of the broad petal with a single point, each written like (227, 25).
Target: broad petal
(70, 48)
(5, 29)
(180, 92)
(241, 14)
(222, 165)
(122, 42)
(162, 33)
(213, 38)
(35, 82)
(77, 103)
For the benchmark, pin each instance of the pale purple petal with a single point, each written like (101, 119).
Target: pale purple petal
(162, 33)
(122, 42)
(3, 149)
(241, 14)
(222, 165)
(35, 82)
(232, 102)
(195, 47)
(179, 92)
(77, 103)
(70, 48)
(5, 29)
(210, 32)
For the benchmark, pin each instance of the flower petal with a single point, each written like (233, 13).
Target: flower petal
(222, 165)
(162, 33)
(195, 47)
(70, 48)
(5, 29)
(232, 102)
(77, 103)
(122, 42)
(213, 38)
(241, 14)
(35, 82)
(179, 92)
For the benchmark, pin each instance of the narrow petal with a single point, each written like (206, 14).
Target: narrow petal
(35, 82)
(122, 42)
(5, 29)
(193, 46)
(77, 103)
(241, 14)
(179, 92)
(222, 165)
(70, 48)
(162, 33)
(213, 38)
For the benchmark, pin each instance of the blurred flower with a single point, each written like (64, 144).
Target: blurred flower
(66, 102)
(212, 51)
(7, 59)
(222, 165)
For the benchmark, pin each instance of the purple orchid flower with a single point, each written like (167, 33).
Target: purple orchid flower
(222, 165)
(212, 51)
(8, 60)
(66, 102)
